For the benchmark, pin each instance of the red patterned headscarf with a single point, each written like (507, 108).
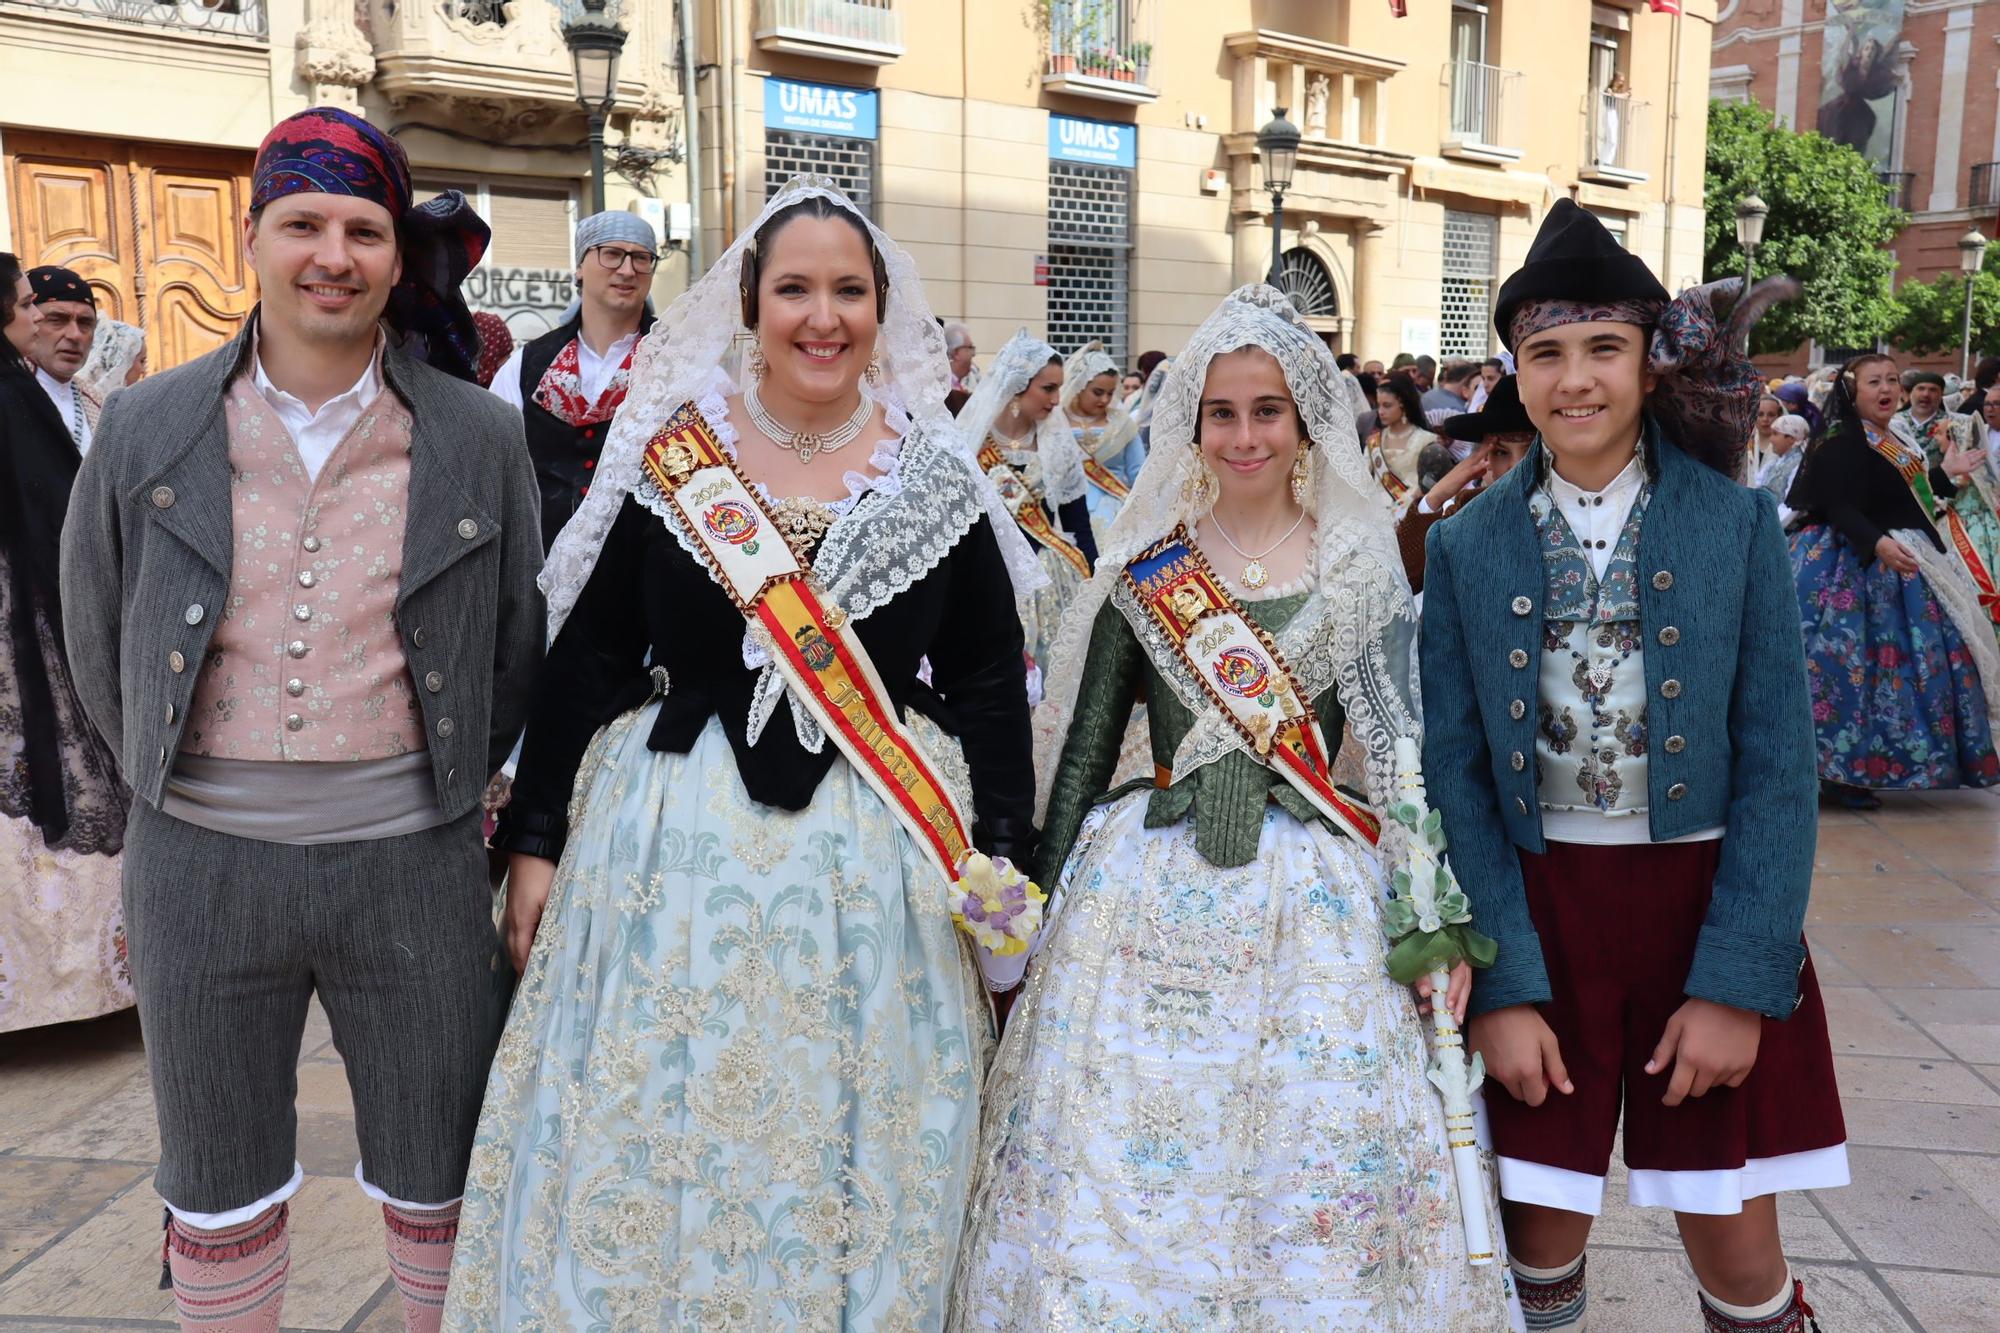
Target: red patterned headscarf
(496, 344)
(324, 150)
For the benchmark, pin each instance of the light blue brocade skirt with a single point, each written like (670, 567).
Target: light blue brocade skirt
(739, 1087)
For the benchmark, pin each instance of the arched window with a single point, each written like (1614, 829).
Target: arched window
(1305, 279)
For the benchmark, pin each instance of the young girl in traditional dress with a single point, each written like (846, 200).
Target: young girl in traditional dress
(1015, 434)
(1395, 448)
(1210, 1108)
(1107, 433)
(1900, 654)
(740, 1085)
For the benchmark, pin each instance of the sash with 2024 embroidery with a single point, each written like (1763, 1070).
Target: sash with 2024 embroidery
(1027, 510)
(1239, 668)
(810, 639)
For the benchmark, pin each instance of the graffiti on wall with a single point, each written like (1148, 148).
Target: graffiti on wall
(531, 300)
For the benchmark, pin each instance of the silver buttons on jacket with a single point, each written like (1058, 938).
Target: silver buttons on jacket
(171, 714)
(1675, 744)
(163, 497)
(302, 612)
(194, 614)
(293, 722)
(1523, 605)
(1518, 658)
(1518, 760)
(446, 726)
(311, 544)
(1662, 581)
(307, 578)
(1669, 636)
(1518, 709)
(296, 648)
(417, 637)
(467, 529)
(295, 687)
(433, 681)
(1670, 688)
(176, 663)
(1520, 805)
(1678, 790)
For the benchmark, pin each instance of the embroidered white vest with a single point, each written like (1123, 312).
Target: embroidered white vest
(1590, 732)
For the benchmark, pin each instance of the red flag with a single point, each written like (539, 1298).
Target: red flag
(1399, 9)
(1666, 6)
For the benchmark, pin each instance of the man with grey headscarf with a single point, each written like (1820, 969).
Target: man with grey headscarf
(570, 382)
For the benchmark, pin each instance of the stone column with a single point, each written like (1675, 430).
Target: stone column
(334, 57)
(1371, 334)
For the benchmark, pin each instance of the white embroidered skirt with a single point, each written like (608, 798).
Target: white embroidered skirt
(1210, 1109)
(739, 1086)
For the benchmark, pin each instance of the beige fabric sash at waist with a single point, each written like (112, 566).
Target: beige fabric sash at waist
(305, 803)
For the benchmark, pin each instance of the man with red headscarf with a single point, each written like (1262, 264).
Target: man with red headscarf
(298, 583)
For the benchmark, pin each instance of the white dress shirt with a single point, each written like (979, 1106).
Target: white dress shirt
(592, 370)
(69, 406)
(317, 434)
(1597, 517)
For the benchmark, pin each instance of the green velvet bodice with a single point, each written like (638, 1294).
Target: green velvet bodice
(1226, 798)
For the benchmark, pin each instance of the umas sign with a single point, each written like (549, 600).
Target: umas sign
(820, 108)
(1098, 142)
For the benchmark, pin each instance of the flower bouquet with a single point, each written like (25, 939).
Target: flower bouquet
(1428, 920)
(1000, 908)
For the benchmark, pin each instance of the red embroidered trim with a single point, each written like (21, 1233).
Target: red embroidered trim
(1794, 1318)
(561, 391)
(215, 1247)
(1552, 1294)
(436, 1231)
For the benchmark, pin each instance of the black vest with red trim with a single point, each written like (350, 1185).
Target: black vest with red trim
(565, 456)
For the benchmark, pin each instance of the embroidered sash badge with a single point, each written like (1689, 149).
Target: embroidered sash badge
(1239, 668)
(1028, 512)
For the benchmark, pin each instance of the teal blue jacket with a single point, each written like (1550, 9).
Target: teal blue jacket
(1729, 723)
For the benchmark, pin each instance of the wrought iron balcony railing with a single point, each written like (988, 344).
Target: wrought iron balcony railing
(1101, 48)
(1985, 192)
(1900, 187)
(1616, 125)
(868, 32)
(1481, 102)
(234, 18)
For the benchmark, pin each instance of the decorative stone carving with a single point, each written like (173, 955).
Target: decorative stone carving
(1319, 91)
(334, 58)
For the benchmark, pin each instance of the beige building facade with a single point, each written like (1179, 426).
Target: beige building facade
(1088, 168)
(128, 131)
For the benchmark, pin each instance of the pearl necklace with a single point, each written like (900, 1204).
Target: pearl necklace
(1254, 574)
(806, 443)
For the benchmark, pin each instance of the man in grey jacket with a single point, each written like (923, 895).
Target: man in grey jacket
(298, 583)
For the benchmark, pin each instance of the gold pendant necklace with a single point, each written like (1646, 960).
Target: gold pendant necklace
(1254, 574)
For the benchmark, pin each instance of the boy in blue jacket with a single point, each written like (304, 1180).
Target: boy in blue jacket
(1619, 739)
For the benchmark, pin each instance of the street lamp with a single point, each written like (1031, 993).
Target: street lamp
(590, 30)
(1278, 145)
(1750, 214)
(1971, 258)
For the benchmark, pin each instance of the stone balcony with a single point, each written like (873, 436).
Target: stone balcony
(861, 32)
(1337, 96)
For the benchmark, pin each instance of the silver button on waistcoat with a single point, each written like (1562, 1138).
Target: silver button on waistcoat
(194, 614)
(1675, 744)
(302, 612)
(295, 687)
(297, 647)
(1678, 790)
(176, 663)
(1518, 760)
(293, 722)
(1518, 709)
(446, 726)
(1670, 688)
(1518, 658)
(1522, 606)
(311, 544)
(417, 637)
(307, 578)
(1663, 581)
(434, 681)
(1669, 636)
(171, 715)
(163, 497)
(467, 529)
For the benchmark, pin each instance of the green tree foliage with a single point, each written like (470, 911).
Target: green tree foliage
(1930, 316)
(1830, 226)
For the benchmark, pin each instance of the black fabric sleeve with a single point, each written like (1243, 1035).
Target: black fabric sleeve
(978, 669)
(595, 670)
(1074, 518)
(1112, 668)
(1839, 483)
(1942, 485)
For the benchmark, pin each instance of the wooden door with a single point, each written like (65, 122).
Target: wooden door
(156, 229)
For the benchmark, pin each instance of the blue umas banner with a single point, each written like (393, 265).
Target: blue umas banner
(820, 108)
(1857, 72)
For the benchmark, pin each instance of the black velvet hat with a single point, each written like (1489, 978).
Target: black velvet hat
(51, 282)
(1574, 258)
(1502, 415)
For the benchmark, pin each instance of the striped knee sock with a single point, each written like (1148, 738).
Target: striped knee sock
(420, 1246)
(1552, 1299)
(231, 1280)
(1786, 1312)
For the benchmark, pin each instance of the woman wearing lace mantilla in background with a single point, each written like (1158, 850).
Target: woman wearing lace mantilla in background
(1107, 434)
(1211, 1105)
(739, 1087)
(1013, 433)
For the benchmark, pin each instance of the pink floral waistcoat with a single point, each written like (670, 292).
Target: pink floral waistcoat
(306, 663)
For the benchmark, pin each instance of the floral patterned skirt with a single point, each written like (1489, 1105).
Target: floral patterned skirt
(1210, 1109)
(739, 1087)
(62, 932)
(1896, 697)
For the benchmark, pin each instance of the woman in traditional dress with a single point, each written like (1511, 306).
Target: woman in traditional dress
(1012, 431)
(1901, 657)
(62, 803)
(1967, 496)
(1210, 1109)
(1395, 449)
(739, 1086)
(1107, 435)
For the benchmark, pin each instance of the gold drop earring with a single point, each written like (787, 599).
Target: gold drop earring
(1302, 474)
(757, 363)
(1200, 490)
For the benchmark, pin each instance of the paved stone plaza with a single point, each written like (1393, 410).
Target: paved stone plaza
(1905, 926)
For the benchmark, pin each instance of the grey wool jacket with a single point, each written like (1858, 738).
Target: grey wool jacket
(1726, 693)
(147, 552)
